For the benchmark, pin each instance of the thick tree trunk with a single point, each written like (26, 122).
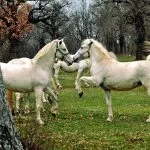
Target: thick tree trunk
(8, 136)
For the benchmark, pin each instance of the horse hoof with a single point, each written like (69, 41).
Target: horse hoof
(80, 94)
(44, 100)
(54, 115)
(13, 113)
(17, 112)
(109, 119)
(59, 87)
(43, 110)
(148, 120)
(26, 111)
(40, 122)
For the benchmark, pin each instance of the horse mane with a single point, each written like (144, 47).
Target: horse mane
(44, 50)
(100, 46)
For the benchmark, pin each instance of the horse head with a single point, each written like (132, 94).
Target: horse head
(62, 53)
(83, 52)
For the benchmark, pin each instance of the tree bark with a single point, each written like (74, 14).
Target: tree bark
(9, 140)
(140, 31)
(121, 39)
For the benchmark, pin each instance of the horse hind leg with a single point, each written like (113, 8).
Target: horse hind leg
(18, 96)
(148, 93)
(38, 95)
(52, 98)
(109, 103)
(26, 108)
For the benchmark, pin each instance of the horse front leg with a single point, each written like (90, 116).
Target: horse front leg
(148, 92)
(77, 78)
(85, 79)
(147, 85)
(44, 97)
(52, 98)
(80, 71)
(38, 95)
(26, 108)
(18, 96)
(56, 72)
(109, 103)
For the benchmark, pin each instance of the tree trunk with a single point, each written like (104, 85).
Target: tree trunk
(9, 139)
(121, 40)
(140, 30)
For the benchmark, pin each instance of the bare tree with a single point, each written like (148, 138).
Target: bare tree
(106, 24)
(52, 16)
(135, 16)
(80, 25)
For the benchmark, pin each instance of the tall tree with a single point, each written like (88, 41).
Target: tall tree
(80, 25)
(107, 24)
(51, 15)
(135, 16)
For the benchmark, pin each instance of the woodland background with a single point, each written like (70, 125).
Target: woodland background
(26, 26)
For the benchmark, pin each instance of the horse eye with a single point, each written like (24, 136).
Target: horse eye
(60, 42)
(81, 47)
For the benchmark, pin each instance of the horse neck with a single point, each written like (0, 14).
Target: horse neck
(47, 61)
(99, 56)
(67, 68)
(96, 55)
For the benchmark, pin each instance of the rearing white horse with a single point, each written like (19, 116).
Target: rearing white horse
(111, 74)
(79, 67)
(35, 75)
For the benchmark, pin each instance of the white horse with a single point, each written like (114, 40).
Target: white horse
(36, 74)
(148, 57)
(79, 67)
(111, 74)
(76, 66)
(24, 96)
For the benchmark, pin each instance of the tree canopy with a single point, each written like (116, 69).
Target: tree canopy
(14, 18)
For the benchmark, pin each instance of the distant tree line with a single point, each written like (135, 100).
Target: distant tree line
(121, 25)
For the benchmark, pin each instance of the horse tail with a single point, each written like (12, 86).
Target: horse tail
(148, 57)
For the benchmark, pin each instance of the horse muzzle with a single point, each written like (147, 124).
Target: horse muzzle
(75, 59)
(70, 63)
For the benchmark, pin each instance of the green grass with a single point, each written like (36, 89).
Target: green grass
(126, 58)
(81, 123)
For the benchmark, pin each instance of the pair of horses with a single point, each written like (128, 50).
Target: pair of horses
(105, 72)
(79, 66)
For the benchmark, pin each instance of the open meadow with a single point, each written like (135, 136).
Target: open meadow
(81, 123)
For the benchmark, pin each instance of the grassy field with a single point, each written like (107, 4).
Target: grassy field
(81, 123)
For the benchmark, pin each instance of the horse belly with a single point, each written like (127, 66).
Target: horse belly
(17, 78)
(122, 85)
(72, 68)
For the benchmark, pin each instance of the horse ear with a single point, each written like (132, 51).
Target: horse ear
(60, 42)
(90, 43)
